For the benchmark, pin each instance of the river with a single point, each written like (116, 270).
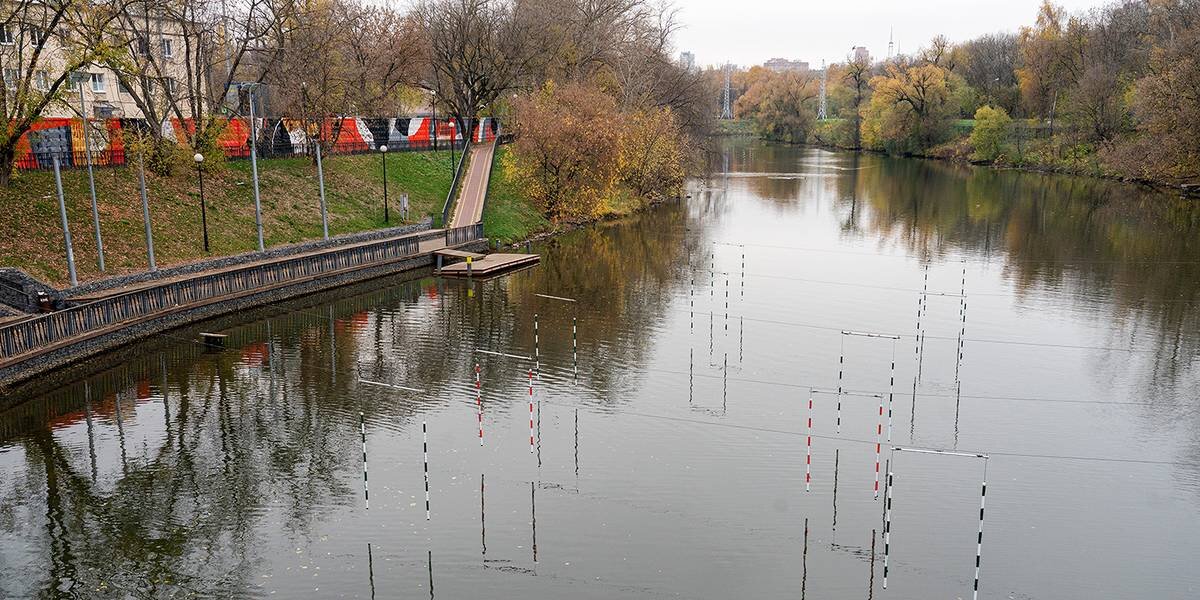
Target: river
(669, 460)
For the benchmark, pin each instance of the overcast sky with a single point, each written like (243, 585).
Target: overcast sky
(748, 32)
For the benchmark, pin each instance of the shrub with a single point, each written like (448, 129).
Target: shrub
(990, 136)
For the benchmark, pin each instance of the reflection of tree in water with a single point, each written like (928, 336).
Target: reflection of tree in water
(624, 278)
(1119, 250)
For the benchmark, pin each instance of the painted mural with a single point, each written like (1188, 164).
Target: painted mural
(64, 138)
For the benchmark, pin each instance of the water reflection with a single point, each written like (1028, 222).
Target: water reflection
(169, 468)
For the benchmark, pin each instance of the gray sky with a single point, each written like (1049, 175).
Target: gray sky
(748, 32)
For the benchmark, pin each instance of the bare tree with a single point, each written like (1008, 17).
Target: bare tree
(366, 56)
(478, 51)
(180, 58)
(44, 43)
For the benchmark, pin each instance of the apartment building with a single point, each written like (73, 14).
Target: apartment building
(97, 88)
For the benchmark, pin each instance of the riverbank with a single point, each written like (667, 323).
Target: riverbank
(1032, 155)
(31, 236)
(511, 218)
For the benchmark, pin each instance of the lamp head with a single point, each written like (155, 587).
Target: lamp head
(199, 158)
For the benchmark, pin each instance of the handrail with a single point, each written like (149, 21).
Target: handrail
(43, 330)
(462, 160)
(461, 235)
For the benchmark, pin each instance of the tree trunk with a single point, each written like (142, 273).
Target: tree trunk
(7, 163)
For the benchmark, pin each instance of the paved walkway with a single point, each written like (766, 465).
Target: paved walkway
(469, 208)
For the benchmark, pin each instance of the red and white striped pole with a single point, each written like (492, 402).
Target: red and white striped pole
(531, 411)
(808, 450)
(479, 403)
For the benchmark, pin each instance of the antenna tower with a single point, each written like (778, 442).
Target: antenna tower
(726, 108)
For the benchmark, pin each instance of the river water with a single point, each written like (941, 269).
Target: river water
(669, 460)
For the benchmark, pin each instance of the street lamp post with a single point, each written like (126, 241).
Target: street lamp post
(383, 153)
(199, 158)
(453, 160)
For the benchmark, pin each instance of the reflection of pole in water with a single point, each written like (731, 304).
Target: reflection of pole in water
(362, 428)
(871, 584)
(537, 352)
(371, 569)
(270, 365)
(332, 349)
(741, 336)
(742, 295)
(162, 364)
(912, 415)
(836, 458)
(482, 519)
(425, 453)
(808, 446)
(691, 298)
(87, 413)
(533, 512)
(539, 432)
(574, 349)
(577, 443)
(804, 562)
(430, 563)
(479, 403)
(691, 369)
(725, 382)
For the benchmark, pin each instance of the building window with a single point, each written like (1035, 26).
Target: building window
(41, 80)
(167, 50)
(11, 77)
(171, 86)
(6, 35)
(142, 46)
(38, 36)
(98, 83)
(121, 87)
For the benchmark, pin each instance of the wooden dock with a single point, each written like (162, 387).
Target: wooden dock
(490, 265)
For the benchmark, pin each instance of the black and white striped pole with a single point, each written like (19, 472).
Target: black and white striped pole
(887, 515)
(808, 445)
(362, 429)
(425, 452)
(479, 403)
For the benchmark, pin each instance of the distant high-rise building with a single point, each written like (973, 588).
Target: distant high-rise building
(783, 65)
(687, 60)
(861, 55)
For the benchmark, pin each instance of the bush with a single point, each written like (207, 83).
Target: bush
(990, 136)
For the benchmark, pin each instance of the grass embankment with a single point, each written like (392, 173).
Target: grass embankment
(31, 236)
(509, 216)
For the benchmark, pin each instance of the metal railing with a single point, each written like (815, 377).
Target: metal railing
(461, 235)
(77, 159)
(38, 332)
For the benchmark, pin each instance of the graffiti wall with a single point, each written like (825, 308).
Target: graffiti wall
(64, 138)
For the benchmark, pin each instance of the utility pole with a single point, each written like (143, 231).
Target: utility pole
(822, 114)
(727, 93)
(254, 164)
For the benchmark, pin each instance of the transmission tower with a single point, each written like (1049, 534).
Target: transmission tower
(821, 112)
(726, 108)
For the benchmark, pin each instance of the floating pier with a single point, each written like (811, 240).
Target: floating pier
(484, 265)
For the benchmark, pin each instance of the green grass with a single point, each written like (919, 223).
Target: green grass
(31, 236)
(509, 216)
